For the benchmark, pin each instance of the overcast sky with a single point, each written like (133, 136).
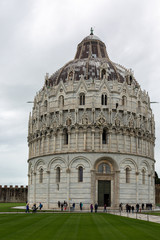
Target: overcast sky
(39, 36)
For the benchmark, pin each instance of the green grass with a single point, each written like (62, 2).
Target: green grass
(76, 226)
(7, 207)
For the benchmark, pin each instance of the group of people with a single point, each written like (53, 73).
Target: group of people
(34, 207)
(95, 207)
(63, 205)
(138, 208)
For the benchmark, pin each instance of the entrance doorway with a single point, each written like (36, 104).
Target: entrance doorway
(104, 193)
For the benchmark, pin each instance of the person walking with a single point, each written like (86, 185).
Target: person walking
(91, 207)
(27, 207)
(96, 207)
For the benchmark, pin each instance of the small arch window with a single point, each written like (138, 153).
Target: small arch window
(103, 73)
(139, 105)
(70, 76)
(104, 99)
(127, 175)
(124, 100)
(104, 168)
(80, 174)
(82, 99)
(66, 137)
(143, 176)
(61, 101)
(58, 175)
(104, 137)
(41, 176)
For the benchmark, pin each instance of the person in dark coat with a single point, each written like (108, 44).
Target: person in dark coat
(91, 207)
(96, 207)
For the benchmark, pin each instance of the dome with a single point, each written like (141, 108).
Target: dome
(91, 59)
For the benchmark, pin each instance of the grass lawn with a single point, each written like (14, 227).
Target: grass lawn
(7, 207)
(75, 226)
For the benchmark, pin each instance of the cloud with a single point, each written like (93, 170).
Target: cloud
(42, 35)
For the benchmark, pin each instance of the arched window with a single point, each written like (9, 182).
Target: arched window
(143, 176)
(104, 137)
(124, 100)
(82, 99)
(104, 168)
(80, 174)
(70, 76)
(139, 105)
(58, 174)
(103, 73)
(61, 101)
(127, 175)
(66, 137)
(104, 99)
(41, 176)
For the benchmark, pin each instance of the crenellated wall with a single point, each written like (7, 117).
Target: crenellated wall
(14, 194)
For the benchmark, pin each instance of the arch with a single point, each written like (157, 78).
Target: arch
(104, 99)
(78, 159)
(131, 160)
(81, 99)
(65, 133)
(110, 161)
(104, 168)
(61, 101)
(124, 100)
(39, 162)
(55, 159)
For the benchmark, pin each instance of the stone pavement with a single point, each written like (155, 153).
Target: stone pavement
(140, 216)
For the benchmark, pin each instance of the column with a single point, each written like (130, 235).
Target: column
(60, 141)
(124, 142)
(100, 134)
(48, 147)
(85, 140)
(48, 189)
(42, 147)
(93, 133)
(68, 186)
(54, 141)
(69, 139)
(149, 188)
(76, 131)
(116, 192)
(34, 189)
(109, 141)
(137, 187)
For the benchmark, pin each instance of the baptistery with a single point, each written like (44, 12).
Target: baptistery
(91, 134)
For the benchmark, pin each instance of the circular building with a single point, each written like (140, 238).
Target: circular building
(91, 134)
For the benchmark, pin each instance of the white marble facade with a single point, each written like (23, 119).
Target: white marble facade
(91, 134)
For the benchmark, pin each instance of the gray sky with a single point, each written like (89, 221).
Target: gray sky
(39, 36)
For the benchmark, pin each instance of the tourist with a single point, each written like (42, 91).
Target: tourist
(73, 206)
(105, 208)
(137, 207)
(96, 207)
(27, 207)
(91, 207)
(59, 204)
(40, 205)
(34, 208)
(132, 209)
(81, 205)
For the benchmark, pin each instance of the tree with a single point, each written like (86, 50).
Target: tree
(157, 179)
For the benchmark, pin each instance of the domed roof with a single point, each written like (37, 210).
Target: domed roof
(90, 60)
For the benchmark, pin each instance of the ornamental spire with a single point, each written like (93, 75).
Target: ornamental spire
(91, 31)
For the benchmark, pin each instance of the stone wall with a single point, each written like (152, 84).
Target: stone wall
(13, 194)
(157, 193)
